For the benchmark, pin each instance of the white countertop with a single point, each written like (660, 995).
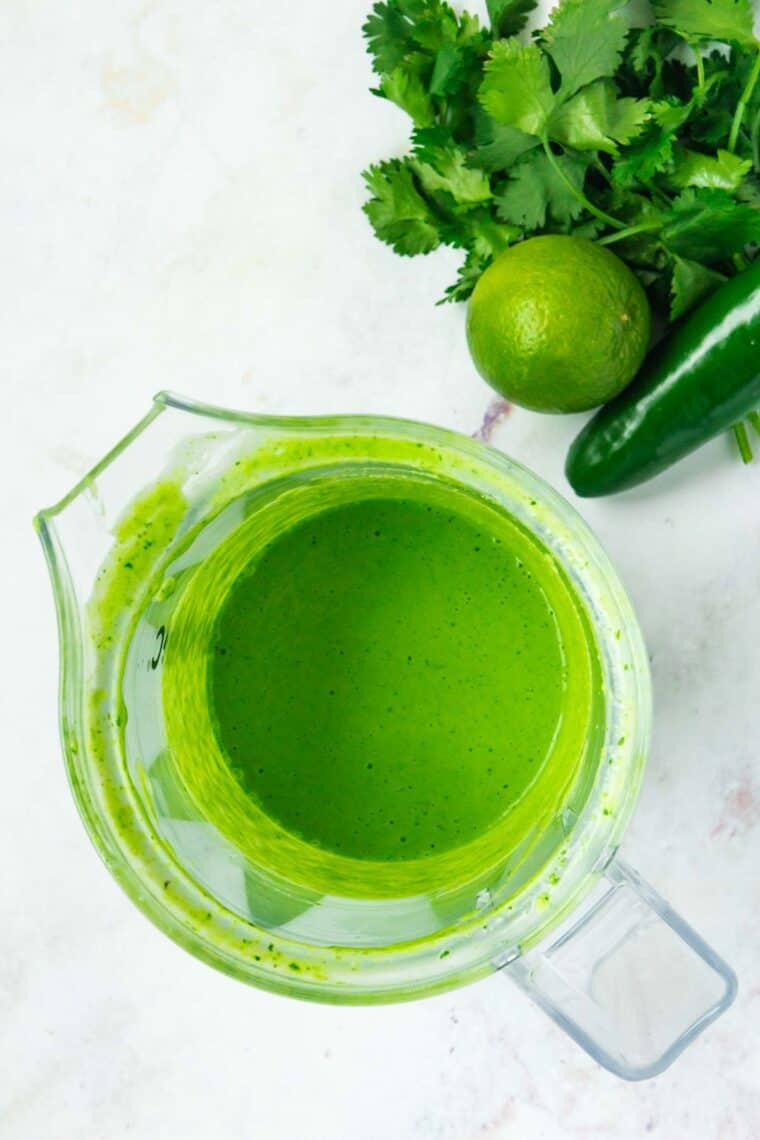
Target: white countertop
(181, 207)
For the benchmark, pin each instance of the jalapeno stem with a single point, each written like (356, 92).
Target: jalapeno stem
(742, 439)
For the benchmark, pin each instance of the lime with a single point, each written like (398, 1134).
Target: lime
(558, 324)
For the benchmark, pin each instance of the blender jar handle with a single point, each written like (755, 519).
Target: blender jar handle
(626, 977)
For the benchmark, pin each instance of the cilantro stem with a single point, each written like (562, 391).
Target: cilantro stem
(755, 140)
(578, 194)
(744, 99)
(699, 92)
(754, 419)
(630, 231)
(600, 168)
(742, 439)
(657, 194)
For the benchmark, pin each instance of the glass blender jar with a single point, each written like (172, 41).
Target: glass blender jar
(562, 915)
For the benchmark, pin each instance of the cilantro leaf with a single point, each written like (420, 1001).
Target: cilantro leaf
(590, 228)
(399, 214)
(387, 33)
(711, 123)
(429, 142)
(448, 69)
(536, 190)
(397, 29)
(442, 167)
(434, 23)
(508, 17)
(650, 155)
(457, 67)
(596, 119)
(652, 152)
(585, 39)
(749, 191)
(711, 127)
(470, 31)
(650, 46)
(670, 113)
(498, 146)
(487, 239)
(640, 249)
(407, 91)
(709, 226)
(516, 89)
(729, 21)
(690, 284)
(723, 171)
(473, 267)
(635, 206)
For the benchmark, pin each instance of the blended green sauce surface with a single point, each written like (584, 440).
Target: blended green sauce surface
(388, 678)
(379, 685)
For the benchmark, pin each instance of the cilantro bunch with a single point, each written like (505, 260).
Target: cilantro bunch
(644, 138)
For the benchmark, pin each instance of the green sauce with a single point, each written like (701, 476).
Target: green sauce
(380, 695)
(388, 679)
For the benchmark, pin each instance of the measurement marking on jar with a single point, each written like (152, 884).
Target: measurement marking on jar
(161, 638)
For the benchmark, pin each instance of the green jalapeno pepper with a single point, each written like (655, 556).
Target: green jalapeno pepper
(702, 379)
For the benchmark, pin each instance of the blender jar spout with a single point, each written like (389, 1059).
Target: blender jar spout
(175, 441)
